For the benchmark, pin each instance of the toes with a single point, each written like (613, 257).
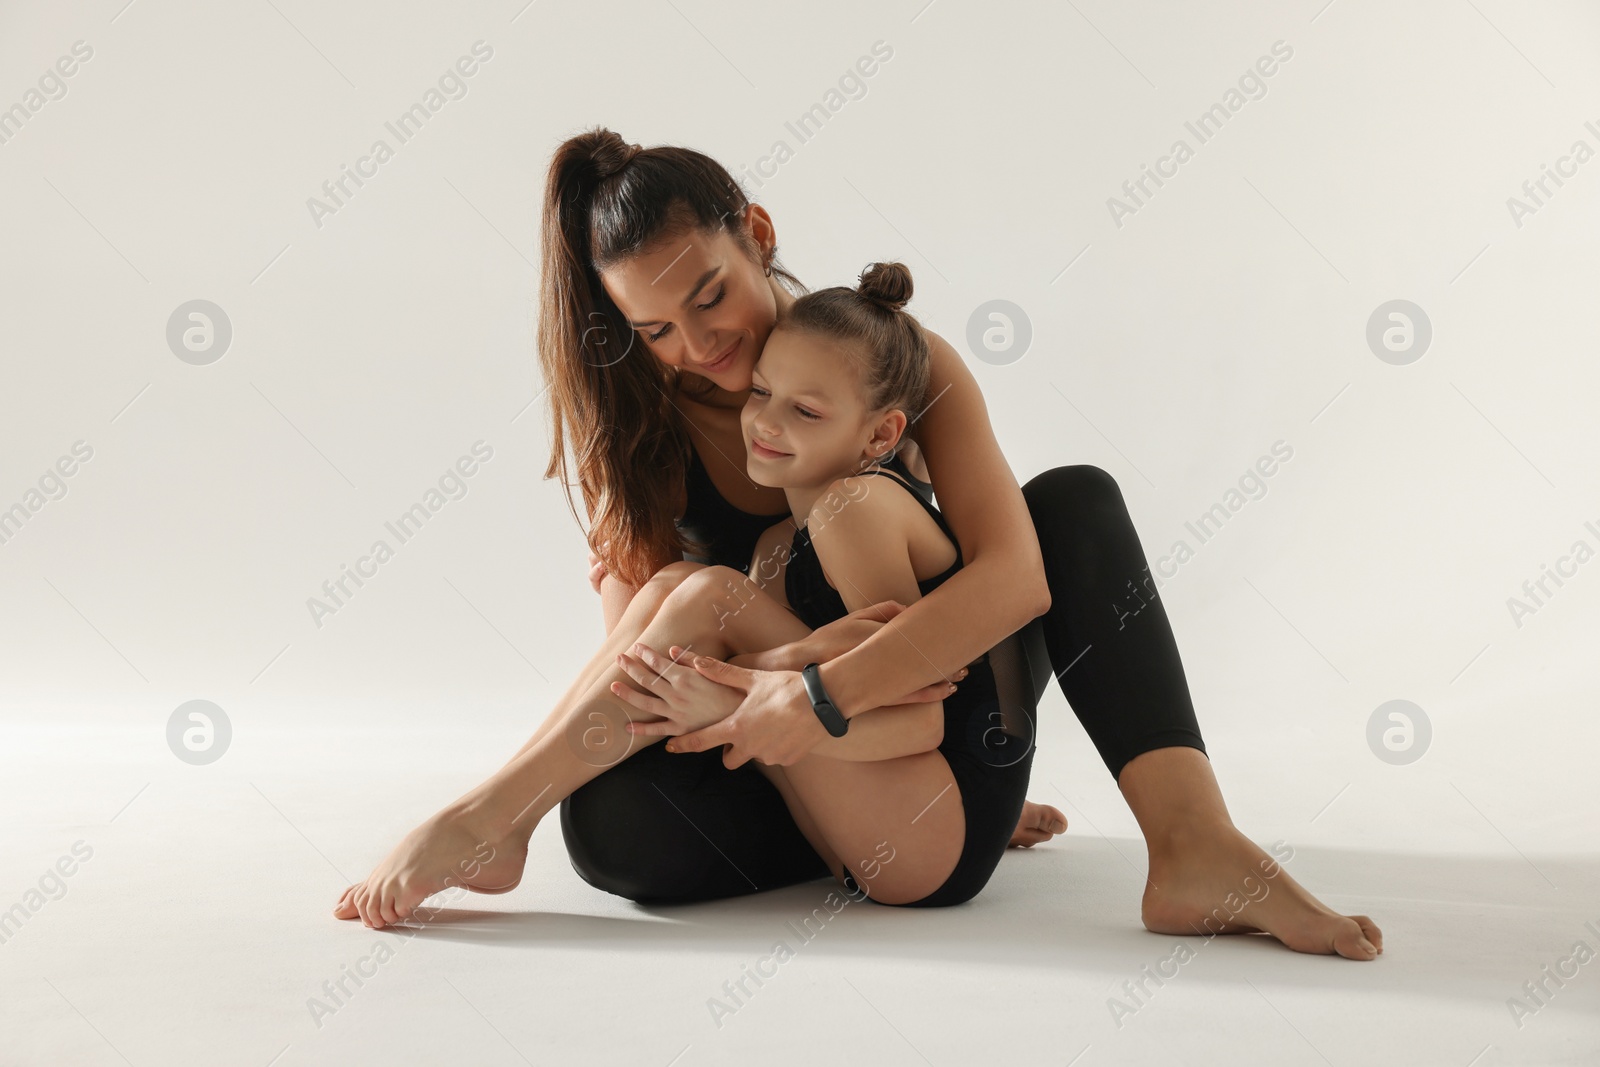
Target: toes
(1039, 822)
(386, 909)
(1350, 941)
(346, 908)
(1370, 928)
(364, 906)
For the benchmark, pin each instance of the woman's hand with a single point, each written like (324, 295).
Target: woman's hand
(597, 571)
(774, 723)
(684, 698)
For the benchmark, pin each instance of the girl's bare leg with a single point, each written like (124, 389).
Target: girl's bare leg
(641, 609)
(897, 824)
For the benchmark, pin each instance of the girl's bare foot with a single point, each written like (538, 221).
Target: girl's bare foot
(1214, 880)
(458, 846)
(1039, 822)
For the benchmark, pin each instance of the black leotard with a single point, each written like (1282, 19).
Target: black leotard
(730, 533)
(660, 827)
(806, 586)
(978, 743)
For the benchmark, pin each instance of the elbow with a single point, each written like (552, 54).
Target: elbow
(1033, 591)
(1019, 584)
(1039, 589)
(934, 735)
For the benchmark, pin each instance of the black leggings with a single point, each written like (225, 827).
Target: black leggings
(674, 828)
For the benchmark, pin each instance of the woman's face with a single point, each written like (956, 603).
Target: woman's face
(700, 303)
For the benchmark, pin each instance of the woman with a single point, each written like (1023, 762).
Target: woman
(660, 288)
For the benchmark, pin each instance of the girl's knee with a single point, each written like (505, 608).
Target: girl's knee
(707, 583)
(668, 578)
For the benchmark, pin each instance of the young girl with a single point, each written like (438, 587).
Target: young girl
(843, 373)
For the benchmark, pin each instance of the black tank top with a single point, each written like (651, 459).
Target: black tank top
(730, 534)
(806, 586)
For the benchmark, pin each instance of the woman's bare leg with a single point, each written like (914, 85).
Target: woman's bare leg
(450, 848)
(1117, 661)
(1207, 877)
(481, 840)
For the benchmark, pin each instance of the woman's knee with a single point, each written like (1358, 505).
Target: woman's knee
(1072, 488)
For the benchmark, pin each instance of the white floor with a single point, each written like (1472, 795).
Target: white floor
(197, 930)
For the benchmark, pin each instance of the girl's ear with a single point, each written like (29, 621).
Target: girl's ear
(887, 433)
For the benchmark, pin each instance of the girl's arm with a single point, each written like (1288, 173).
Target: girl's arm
(865, 551)
(1000, 588)
(880, 733)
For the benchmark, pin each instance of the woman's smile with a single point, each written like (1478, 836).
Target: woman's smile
(721, 362)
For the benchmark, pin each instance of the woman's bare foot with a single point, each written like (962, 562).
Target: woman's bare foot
(1039, 822)
(1214, 880)
(455, 847)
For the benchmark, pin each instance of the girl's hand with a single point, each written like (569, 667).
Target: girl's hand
(774, 723)
(683, 697)
(834, 639)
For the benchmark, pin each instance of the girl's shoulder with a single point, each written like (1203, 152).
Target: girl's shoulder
(877, 509)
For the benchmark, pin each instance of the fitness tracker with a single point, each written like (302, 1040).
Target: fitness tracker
(832, 719)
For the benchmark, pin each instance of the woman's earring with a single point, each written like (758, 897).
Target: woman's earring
(768, 264)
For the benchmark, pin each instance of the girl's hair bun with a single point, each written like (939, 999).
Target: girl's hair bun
(886, 284)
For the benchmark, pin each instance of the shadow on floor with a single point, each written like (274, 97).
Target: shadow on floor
(1453, 925)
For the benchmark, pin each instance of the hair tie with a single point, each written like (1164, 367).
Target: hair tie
(617, 162)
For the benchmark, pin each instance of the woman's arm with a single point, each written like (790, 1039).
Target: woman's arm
(615, 594)
(1000, 588)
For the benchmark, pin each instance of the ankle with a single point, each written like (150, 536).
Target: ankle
(495, 811)
(1188, 834)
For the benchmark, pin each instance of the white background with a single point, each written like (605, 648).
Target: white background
(368, 353)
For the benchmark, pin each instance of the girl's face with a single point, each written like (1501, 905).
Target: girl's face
(805, 422)
(699, 302)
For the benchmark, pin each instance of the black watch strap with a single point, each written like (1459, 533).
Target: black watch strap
(832, 719)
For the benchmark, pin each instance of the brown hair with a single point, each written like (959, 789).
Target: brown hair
(895, 367)
(606, 200)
